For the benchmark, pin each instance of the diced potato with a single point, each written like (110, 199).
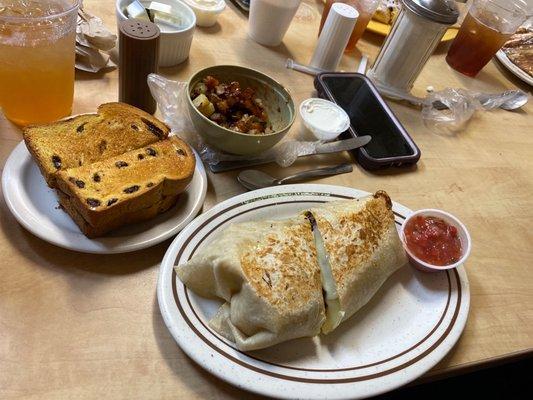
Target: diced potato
(200, 88)
(203, 105)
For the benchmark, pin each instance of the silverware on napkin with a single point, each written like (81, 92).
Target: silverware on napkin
(320, 148)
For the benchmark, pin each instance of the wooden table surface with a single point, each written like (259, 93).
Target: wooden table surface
(86, 326)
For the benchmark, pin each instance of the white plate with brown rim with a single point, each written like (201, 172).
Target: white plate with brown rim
(36, 208)
(407, 328)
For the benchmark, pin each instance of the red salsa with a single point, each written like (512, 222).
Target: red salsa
(433, 240)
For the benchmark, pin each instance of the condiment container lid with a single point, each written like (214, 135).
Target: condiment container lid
(441, 11)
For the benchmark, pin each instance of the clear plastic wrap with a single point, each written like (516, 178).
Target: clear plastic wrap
(461, 105)
(448, 111)
(171, 97)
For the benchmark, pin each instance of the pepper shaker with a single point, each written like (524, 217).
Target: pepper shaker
(138, 57)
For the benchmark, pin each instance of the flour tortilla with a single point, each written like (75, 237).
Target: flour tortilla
(363, 246)
(268, 275)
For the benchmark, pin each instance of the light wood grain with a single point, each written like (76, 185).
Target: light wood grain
(84, 326)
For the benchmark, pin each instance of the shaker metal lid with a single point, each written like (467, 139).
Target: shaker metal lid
(441, 11)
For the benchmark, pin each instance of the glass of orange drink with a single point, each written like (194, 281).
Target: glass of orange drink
(37, 52)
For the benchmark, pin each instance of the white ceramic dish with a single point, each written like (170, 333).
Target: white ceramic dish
(36, 207)
(513, 68)
(462, 232)
(206, 12)
(174, 45)
(324, 118)
(409, 326)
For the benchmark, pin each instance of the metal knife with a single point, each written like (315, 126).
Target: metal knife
(323, 148)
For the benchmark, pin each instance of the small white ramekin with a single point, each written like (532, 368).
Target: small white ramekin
(206, 16)
(322, 134)
(174, 45)
(464, 237)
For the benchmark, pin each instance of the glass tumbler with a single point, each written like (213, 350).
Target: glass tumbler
(37, 52)
(486, 28)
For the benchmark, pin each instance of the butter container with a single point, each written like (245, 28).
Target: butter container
(177, 27)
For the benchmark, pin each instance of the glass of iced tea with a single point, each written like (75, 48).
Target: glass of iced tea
(487, 26)
(366, 9)
(37, 59)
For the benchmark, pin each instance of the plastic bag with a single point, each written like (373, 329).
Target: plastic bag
(171, 97)
(461, 106)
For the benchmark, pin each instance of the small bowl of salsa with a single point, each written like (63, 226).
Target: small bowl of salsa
(435, 240)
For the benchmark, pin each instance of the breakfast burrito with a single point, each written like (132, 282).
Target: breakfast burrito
(292, 278)
(363, 248)
(268, 275)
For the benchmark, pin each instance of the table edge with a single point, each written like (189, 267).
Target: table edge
(472, 366)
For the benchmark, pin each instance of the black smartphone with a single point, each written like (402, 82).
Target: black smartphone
(391, 145)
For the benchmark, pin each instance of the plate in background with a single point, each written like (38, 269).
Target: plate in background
(513, 68)
(384, 29)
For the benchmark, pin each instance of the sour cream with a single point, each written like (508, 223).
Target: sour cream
(324, 118)
(206, 11)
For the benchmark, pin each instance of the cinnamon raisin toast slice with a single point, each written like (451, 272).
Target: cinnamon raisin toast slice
(104, 193)
(115, 129)
(128, 218)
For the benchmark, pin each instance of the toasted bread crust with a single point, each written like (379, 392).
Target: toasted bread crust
(128, 183)
(136, 216)
(116, 128)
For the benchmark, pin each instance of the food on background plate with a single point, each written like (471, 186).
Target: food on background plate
(433, 240)
(77, 141)
(230, 106)
(519, 49)
(272, 274)
(127, 188)
(387, 10)
(112, 168)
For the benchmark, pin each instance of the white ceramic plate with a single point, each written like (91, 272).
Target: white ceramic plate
(515, 69)
(36, 207)
(412, 322)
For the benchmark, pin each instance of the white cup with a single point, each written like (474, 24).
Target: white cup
(270, 19)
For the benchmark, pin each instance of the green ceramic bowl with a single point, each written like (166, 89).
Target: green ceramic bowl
(276, 99)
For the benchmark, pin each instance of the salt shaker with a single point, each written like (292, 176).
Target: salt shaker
(138, 57)
(416, 32)
(334, 37)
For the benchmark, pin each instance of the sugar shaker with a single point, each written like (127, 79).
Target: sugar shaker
(334, 37)
(418, 29)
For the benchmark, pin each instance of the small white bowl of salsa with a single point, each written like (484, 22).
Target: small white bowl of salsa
(435, 240)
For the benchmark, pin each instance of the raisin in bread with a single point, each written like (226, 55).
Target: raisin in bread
(126, 188)
(81, 140)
